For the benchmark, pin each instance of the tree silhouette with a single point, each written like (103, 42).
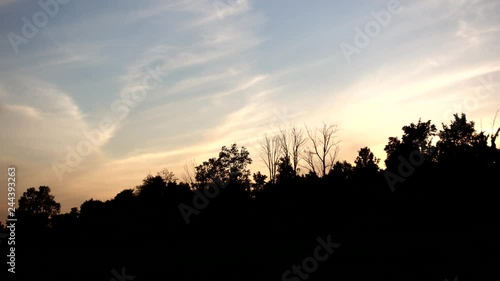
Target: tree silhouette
(230, 166)
(189, 175)
(285, 170)
(341, 170)
(291, 142)
(91, 209)
(452, 190)
(459, 133)
(208, 172)
(152, 187)
(324, 148)
(234, 163)
(259, 181)
(271, 151)
(38, 203)
(167, 176)
(366, 160)
(416, 138)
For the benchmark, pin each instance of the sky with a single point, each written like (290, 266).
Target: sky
(94, 95)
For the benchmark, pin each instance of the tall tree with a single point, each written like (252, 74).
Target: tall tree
(230, 166)
(460, 145)
(152, 187)
(459, 133)
(292, 140)
(189, 176)
(38, 203)
(285, 170)
(93, 212)
(341, 170)
(457, 139)
(416, 138)
(270, 154)
(366, 160)
(260, 181)
(324, 148)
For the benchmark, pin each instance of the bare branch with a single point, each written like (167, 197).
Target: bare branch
(189, 173)
(323, 141)
(297, 141)
(270, 154)
(284, 142)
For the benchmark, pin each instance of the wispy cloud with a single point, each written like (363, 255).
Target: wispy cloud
(234, 71)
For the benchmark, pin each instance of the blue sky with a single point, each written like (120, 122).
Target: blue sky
(225, 72)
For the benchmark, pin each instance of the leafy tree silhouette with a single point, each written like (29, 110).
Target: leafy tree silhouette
(230, 166)
(416, 137)
(366, 161)
(259, 181)
(341, 170)
(286, 173)
(461, 142)
(416, 233)
(36, 208)
(38, 203)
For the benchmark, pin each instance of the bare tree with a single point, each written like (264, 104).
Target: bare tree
(310, 161)
(321, 156)
(284, 142)
(190, 173)
(167, 176)
(270, 154)
(291, 142)
(297, 142)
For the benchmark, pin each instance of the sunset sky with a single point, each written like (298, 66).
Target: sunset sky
(213, 73)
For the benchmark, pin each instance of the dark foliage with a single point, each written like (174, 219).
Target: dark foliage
(432, 214)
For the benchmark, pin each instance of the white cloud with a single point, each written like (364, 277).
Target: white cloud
(427, 61)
